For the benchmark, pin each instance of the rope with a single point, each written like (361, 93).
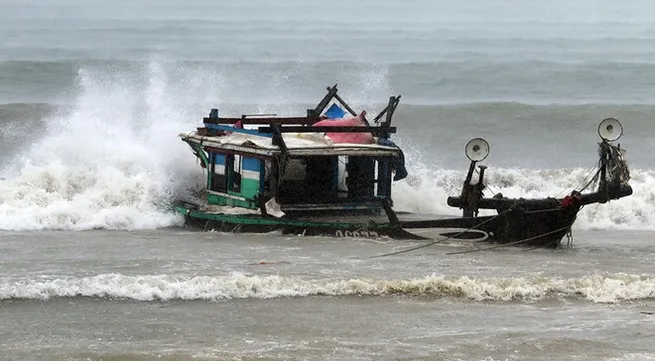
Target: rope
(511, 243)
(591, 181)
(586, 176)
(486, 186)
(611, 159)
(445, 239)
(589, 170)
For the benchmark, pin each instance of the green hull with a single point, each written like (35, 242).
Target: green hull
(254, 223)
(547, 227)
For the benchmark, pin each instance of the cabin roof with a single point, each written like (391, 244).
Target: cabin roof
(298, 144)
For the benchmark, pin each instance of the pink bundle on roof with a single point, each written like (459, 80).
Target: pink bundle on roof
(356, 138)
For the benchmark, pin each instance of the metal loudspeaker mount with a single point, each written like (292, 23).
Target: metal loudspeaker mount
(477, 149)
(610, 129)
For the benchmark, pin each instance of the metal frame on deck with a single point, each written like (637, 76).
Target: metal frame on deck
(211, 138)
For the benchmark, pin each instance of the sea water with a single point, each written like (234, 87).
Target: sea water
(95, 266)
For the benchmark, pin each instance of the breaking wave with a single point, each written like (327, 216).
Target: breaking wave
(112, 160)
(128, 188)
(426, 191)
(594, 288)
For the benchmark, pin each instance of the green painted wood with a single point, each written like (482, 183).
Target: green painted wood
(249, 188)
(251, 219)
(218, 200)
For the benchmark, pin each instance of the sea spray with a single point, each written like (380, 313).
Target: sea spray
(427, 189)
(113, 161)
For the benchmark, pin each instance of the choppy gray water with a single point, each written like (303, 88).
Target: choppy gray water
(179, 295)
(92, 97)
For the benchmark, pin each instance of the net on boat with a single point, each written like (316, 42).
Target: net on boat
(616, 164)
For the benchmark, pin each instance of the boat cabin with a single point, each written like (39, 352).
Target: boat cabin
(301, 164)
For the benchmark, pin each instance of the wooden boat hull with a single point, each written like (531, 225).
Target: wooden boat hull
(542, 228)
(535, 228)
(312, 176)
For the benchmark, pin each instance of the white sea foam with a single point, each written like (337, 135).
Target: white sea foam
(594, 288)
(114, 161)
(634, 357)
(426, 191)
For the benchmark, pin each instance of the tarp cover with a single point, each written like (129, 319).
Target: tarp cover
(353, 138)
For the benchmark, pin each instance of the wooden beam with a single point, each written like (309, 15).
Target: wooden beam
(326, 99)
(345, 105)
(263, 120)
(227, 128)
(233, 152)
(328, 129)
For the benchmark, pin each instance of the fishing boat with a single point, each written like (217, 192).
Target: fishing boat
(330, 172)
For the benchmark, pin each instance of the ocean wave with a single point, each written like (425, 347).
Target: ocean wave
(460, 76)
(23, 117)
(614, 288)
(111, 159)
(19, 124)
(426, 191)
(130, 193)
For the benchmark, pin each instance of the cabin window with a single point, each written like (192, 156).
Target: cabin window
(321, 180)
(234, 178)
(361, 177)
(331, 179)
(383, 181)
(218, 176)
(237, 174)
(342, 175)
(309, 180)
